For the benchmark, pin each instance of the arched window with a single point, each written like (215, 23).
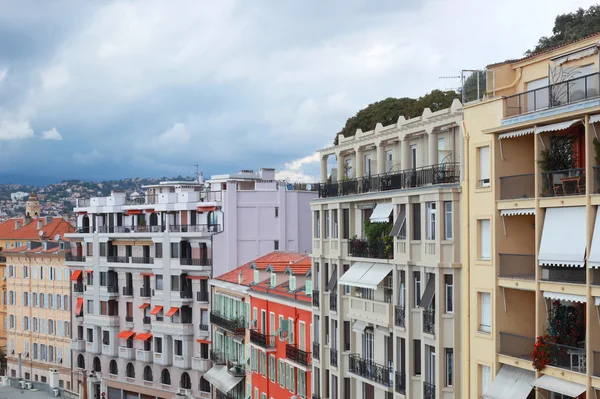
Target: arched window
(165, 377)
(85, 224)
(130, 370)
(113, 368)
(186, 381)
(153, 219)
(96, 366)
(147, 373)
(81, 361)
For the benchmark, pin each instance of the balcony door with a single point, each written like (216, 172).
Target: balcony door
(431, 370)
(537, 97)
(302, 336)
(368, 345)
(263, 322)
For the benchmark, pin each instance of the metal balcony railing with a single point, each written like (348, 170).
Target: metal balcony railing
(78, 287)
(517, 266)
(195, 228)
(370, 370)
(217, 357)
(315, 298)
(71, 258)
(112, 289)
(333, 357)
(129, 319)
(204, 327)
(142, 200)
(235, 325)
(429, 321)
(83, 202)
(333, 302)
(571, 275)
(202, 296)
(568, 357)
(551, 96)
(428, 390)
(427, 175)
(142, 260)
(128, 291)
(563, 182)
(145, 292)
(186, 294)
(211, 196)
(517, 186)
(297, 355)
(516, 345)
(365, 249)
(399, 316)
(146, 320)
(316, 350)
(400, 382)
(262, 340)
(205, 261)
(117, 259)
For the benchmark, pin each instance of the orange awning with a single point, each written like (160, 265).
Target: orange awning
(89, 271)
(147, 274)
(207, 208)
(150, 211)
(82, 213)
(197, 277)
(156, 310)
(143, 336)
(144, 305)
(172, 312)
(133, 211)
(76, 274)
(126, 334)
(203, 341)
(79, 307)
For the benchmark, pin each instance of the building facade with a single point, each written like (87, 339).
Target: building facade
(386, 262)
(532, 235)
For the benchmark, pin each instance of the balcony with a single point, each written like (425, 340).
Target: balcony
(181, 361)
(145, 292)
(517, 266)
(110, 350)
(234, 325)
(164, 359)
(400, 382)
(117, 259)
(195, 262)
(236, 369)
(74, 258)
(568, 357)
(78, 288)
(399, 316)
(130, 229)
(102, 320)
(142, 260)
(195, 228)
(188, 294)
(146, 320)
(142, 200)
(297, 355)
(333, 302)
(143, 355)
(262, 340)
(217, 357)
(202, 365)
(370, 311)
(223, 395)
(371, 371)
(429, 321)
(78, 345)
(571, 275)
(365, 249)
(315, 298)
(204, 329)
(126, 353)
(173, 328)
(445, 173)
(428, 390)
(333, 357)
(514, 345)
(316, 350)
(561, 183)
(552, 96)
(202, 296)
(517, 187)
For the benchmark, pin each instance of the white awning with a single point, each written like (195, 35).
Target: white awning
(374, 276)
(564, 297)
(220, 378)
(596, 301)
(563, 237)
(511, 383)
(593, 259)
(516, 133)
(517, 212)
(359, 326)
(354, 274)
(557, 126)
(576, 55)
(383, 330)
(595, 118)
(557, 385)
(381, 213)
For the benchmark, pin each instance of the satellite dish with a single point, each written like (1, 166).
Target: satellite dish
(41, 233)
(57, 237)
(308, 187)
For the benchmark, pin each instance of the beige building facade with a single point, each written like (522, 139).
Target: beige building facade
(531, 233)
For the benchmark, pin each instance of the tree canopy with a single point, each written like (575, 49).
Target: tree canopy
(387, 111)
(570, 27)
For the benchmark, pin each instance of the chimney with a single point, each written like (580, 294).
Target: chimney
(17, 224)
(40, 224)
(48, 220)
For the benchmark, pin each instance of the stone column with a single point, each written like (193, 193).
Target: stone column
(359, 163)
(341, 173)
(405, 157)
(432, 141)
(381, 169)
(324, 168)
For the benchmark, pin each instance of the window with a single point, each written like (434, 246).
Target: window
(413, 156)
(484, 166)
(368, 345)
(281, 331)
(388, 161)
(448, 221)
(430, 228)
(367, 165)
(290, 378)
(256, 277)
(417, 288)
(334, 215)
(90, 335)
(276, 245)
(272, 368)
(346, 223)
(175, 283)
(449, 367)
(301, 383)
(178, 344)
(103, 279)
(485, 312)
(273, 280)
(327, 227)
(291, 331)
(25, 271)
(417, 354)
(484, 239)
(292, 283)
(90, 304)
(276, 211)
(159, 282)
(416, 222)
(158, 345)
(448, 281)
(263, 364)
(317, 224)
(254, 358)
(174, 250)
(281, 379)
(486, 378)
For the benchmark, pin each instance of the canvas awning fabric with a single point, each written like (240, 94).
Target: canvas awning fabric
(172, 312)
(555, 127)
(156, 310)
(400, 221)
(596, 301)
(144, 305)
(594, 257)
(511, 383)
(143, 336)
(517, 212)
(516, 133)
(564, 297)
(557, 385)
(381, 213)
(126, 334)
(79, 307)
(134, 211)
(203, 341)
(355, 273)
(333, 280)
(359, 326)
(563, 237)
(197, 277)
(220, 378)
(89, 271)
(147, 274)
(375, 275)
(76, 274)
(595, 118)
(206, 208)
(428, 294)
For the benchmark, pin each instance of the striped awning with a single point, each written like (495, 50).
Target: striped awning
(516, 133)
(557, 126)
(565, 297)
(517, 212)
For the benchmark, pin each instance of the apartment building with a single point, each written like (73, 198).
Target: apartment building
(165, 244)
(531, 235)
(38, 307)
(386, 262)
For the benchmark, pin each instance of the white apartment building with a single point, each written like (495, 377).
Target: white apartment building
(386, 262)
(140, 268)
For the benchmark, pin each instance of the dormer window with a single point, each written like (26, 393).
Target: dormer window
(255, 276)
(273, 280)
(292, 283)
(308, 287)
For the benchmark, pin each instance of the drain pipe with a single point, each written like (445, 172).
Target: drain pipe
(20, 367)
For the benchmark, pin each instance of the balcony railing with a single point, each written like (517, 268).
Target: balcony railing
(206, 261)
(217, 357)
(563, 182)
(517, 266)
(365, 249)
(333, 302)
(297, 355)
(202, 296)
(141, 200)
(235, 325)
(316, 350)
(315, 298)
(132, 229)
(129, 319)
(186, 294)
(228, 395)
(517, 187)
(142, 260)
(567, 357)
(262, 340)
(83, 202)
(204, 327)
(236, 369)
(127, 291)
(435, 174)
(333, 357)
(146, 320)
(572, 275)
(429, 321)
(370, 370)
(516, 345)
(78, 287)
(117, 259)
(211, 196)
(551, 96)
(145, 292)
(399, 316)
(112, 289)
(195, 228)
(428, 390)
(400, 382)
(74, 258)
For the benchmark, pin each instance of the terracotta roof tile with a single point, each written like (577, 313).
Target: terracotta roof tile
(31, 232)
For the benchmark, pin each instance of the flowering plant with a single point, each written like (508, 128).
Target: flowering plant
(541, 352)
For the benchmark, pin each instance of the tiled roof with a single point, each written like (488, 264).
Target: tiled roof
(31, 232)
(24, 250)
(233, 276)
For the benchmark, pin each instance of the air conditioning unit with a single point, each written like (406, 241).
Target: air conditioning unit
(28, 385)
(22, 384)
(56, 392)
(184, 392)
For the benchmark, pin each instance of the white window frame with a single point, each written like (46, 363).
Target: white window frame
(449, 294)
(448, 221)
(485, 312)
(431, 220)
(450, 373)
(484, 166)
(485, 239)
(486, 377)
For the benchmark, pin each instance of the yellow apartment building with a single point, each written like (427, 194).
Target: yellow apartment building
(531, 230)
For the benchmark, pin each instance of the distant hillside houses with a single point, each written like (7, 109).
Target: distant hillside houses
(18, 196)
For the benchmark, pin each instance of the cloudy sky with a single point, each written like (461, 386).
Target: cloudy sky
(110, 89)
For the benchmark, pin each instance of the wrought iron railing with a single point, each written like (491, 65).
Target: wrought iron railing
(262, 340)
(195, 228)
(146, 320)
(516, 345)
(333, 357)
(333, 302)
(517, 266)
(128, 291)
(399, 316)
(142, 260)
(235, 325)
(186, 294)
(73, 258)
(428, 390)
(563, 182)
(145, 292)
(517, 186)
(297, 355)
(204, 261)
(429, 321)
(571, 275)
(78, 287)
(370, 370)
(365, 249)
(117, 259)
(202, 296)
(388, 294)
(316, 350)
(400, 382)
(315, 298)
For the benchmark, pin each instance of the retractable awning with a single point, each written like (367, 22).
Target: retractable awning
(359, 326)
(555, 127)
(559, 296)
(144, 305)
(76, 274)
(143, 336)
(516, 133)
(156, 310)
(563, 237)
(125, 334)
(375, 275)
(355, 273)
(511, 383)
(400, 221)
(427, 297)
(594, 257)
(381, 213)
(595, 118)
(220, 378)
(79, 307)
(517, 212)
(172, 312)
(557, 385)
